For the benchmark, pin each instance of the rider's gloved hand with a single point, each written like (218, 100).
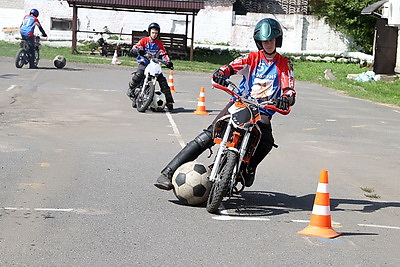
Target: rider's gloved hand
(133, 52)
(219, 78)
(136, 52)
(44, 35)
(282, 102)
(169, 65)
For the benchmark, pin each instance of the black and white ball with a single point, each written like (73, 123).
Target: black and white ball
(158, 102)
(59, 62)
(191, 184)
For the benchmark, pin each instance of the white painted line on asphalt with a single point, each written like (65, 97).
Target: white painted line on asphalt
(91, 89)
(300, 221)
(225, 216)
(239, 218)
(39, 209)
(175, 129)
(379, 226)
(11, 87)
(334, 224)
(396, 111)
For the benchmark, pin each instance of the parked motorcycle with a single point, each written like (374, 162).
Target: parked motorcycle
(148, 95)
(22, 57)
(238, 136)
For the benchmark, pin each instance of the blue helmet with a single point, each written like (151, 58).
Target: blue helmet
(34, 12)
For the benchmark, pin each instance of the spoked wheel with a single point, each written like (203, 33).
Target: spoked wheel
(144, 99)
(220, 188)
(21, 58)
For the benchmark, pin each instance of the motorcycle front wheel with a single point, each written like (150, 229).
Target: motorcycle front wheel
(21, 58)
(144, 99)
(220, 188)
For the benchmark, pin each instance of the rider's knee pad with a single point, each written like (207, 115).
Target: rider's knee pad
(204, 139)
(137, 77)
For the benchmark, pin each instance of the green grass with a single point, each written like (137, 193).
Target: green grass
(208, 61)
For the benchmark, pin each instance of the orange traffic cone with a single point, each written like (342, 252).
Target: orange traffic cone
(201, 104)
(171, 82)
(320, 222)
(115, 60)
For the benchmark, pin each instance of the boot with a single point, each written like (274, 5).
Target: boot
(190, 152)
(249, 175)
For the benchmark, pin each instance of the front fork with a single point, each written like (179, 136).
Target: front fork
(223, 147)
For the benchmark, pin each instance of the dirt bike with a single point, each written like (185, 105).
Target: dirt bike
(238, 135)
(22, 57)
(147, 95)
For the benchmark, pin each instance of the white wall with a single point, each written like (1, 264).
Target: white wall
(10, 19)
(213, 25)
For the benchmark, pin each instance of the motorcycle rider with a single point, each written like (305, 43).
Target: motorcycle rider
(267, 75)
(27, 30)
(154, 46)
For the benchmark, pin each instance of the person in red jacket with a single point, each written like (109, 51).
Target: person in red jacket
(267, 75)
(154, 46)
(27, 30)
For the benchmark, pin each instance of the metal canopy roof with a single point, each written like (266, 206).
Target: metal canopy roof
(371, 8)
(182, 7)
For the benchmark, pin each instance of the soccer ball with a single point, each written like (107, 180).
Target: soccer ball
(191, 184)
(59, 62)
(158, 102)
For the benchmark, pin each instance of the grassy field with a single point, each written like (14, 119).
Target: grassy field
(206, 61)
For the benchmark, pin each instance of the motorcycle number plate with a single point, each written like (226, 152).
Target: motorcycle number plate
(241, 116)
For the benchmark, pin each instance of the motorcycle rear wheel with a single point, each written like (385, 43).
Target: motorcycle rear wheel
(21, 58)
(220, 188)
(144, 99)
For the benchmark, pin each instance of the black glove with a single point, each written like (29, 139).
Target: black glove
(133, 52)
(220, 79)
(282, 103)
(169, 65)
(136, 52)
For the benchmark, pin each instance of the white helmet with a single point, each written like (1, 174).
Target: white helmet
(158, 102)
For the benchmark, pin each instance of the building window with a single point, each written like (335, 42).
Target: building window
(61, 24)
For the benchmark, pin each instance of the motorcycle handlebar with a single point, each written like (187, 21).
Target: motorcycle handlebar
(266, 105)
(158, 58)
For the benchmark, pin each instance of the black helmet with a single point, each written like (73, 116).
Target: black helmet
(153, 25)
(268, 29)
(34, 12)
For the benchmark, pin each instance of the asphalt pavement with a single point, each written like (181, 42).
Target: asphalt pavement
(77, 166)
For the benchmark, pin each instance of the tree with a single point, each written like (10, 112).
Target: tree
(345, 17)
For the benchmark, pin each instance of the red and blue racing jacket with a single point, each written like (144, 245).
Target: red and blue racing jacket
(28, 25)
(155, 48)
(263, 79)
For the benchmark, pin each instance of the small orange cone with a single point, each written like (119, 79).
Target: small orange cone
(171, 82)
(320, 222)
(201, 104)
(115, 59)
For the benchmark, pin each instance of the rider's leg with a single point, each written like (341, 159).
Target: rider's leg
(31, 56)
(190, 152)
(137, 78)
(166, 91)
(263, 148)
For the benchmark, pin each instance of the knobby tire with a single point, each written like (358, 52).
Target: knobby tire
(220, 188)
(144, 99)
(21, 58)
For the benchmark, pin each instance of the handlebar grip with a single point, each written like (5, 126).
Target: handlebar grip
(280, 111)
